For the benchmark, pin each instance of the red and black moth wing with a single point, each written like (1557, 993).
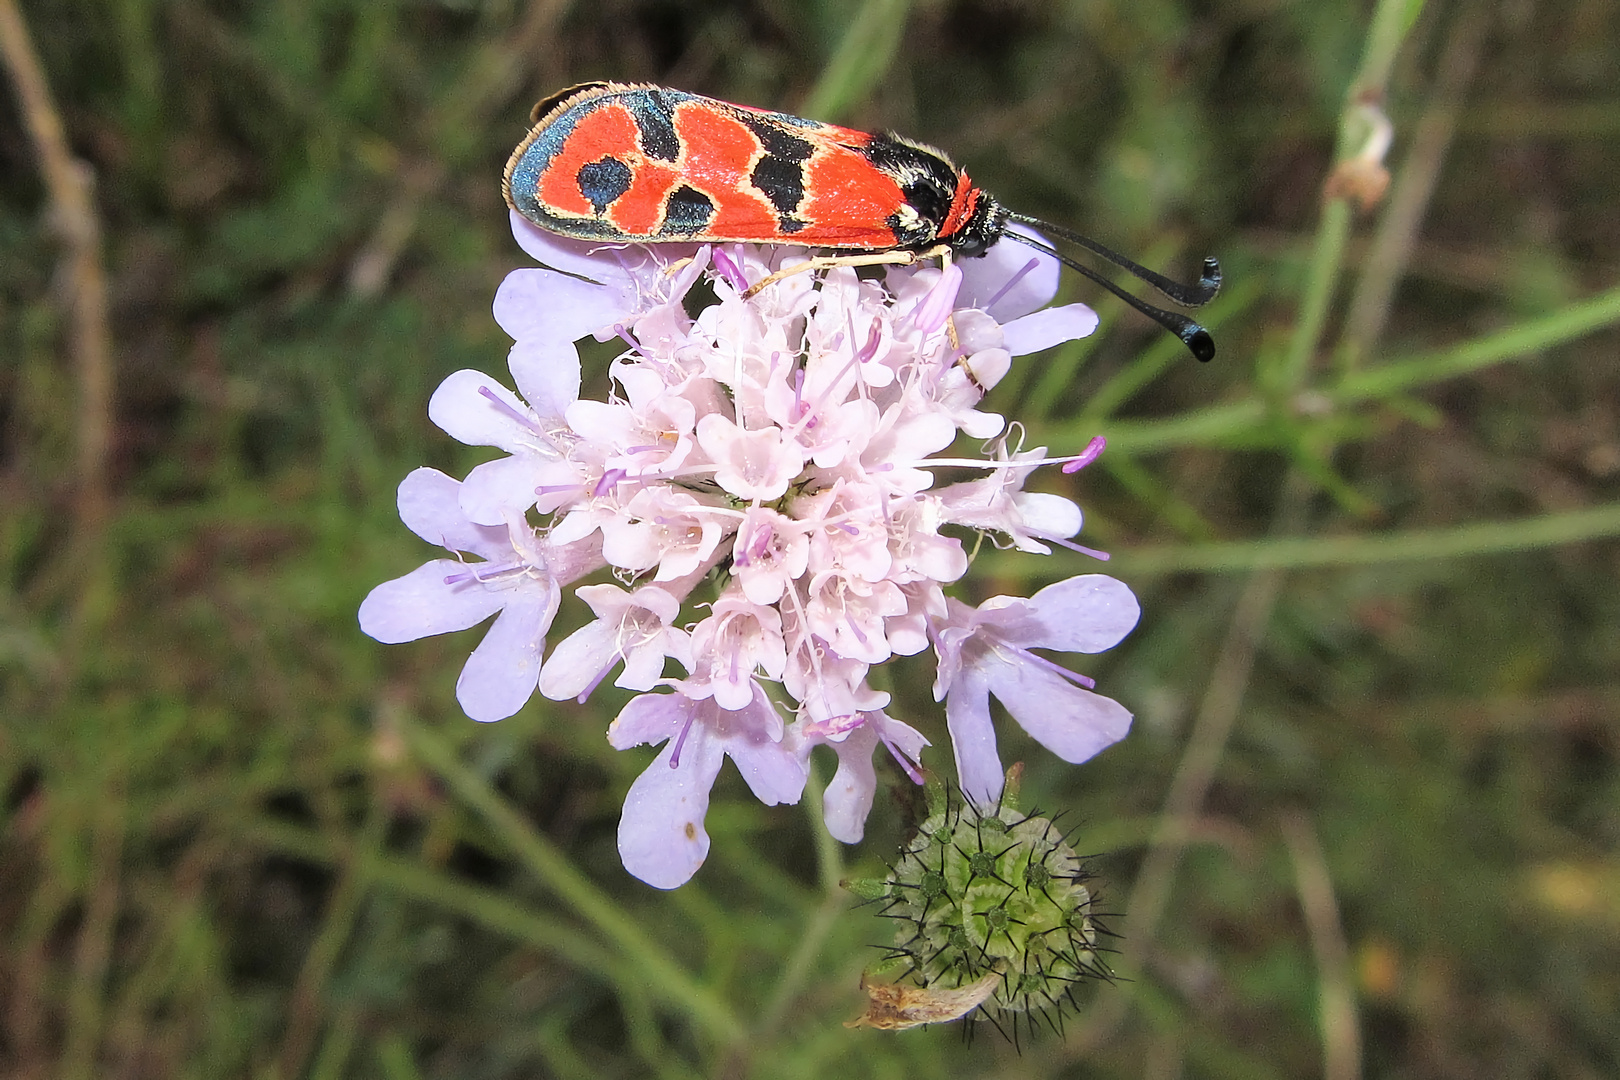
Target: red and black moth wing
(613, 162)
(630, 163)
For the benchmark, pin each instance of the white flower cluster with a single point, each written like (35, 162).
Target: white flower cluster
(780, 445)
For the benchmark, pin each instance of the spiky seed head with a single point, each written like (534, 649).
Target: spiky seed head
(989, 890)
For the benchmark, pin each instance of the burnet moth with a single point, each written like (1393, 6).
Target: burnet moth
(646, 164)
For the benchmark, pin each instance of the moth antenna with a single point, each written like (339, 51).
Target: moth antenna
(1209, 283)
(1194, 336)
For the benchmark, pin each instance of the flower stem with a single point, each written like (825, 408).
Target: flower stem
(1247, 418)
(1327, 260)
(671, 981)
(830, 862)
(1509, 344)
(862, 57)
(1463, 541)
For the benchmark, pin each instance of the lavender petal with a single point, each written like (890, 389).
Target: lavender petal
(661, 836)
(501, 674)
(973, 737)
(1074, 724)
(421, 605)
(1090, 613)
(1048, 327)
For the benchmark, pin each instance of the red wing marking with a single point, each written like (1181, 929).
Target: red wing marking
(603, 132)
(718, 155)
(640, 210)
(847, 201)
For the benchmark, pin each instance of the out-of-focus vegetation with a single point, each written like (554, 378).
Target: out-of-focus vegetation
(1368, 819)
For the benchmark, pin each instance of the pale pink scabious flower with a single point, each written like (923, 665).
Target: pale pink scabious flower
(780, 448)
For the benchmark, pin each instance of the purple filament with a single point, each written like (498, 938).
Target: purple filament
(1014, 280)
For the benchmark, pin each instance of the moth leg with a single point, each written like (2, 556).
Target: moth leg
(827, 262)
(956, 342)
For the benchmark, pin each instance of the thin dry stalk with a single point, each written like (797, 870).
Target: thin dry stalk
(1397, 233)
(495, 74)
(70, 183)
(1341, 1030)
(1206, 744)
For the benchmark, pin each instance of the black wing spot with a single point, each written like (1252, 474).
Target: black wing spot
(781, 181)
(687, 211)
(777, 143)
(603, 181)
(656, 120)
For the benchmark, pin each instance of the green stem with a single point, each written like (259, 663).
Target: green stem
(830, 859)
(1388, 31)
(1243, 418)
(1390, 23)
(489, 910)
(1326, 261)
(862, 57)
(829, 853)
(1485, 538)
(1516, 341)
(669, 980)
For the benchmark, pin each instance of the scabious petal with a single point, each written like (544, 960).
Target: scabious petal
(1087, 614)
(649, 718)
(501, 674)
(1073, 723)
(633, 627)
(498, 490)
(750, 464)
(1048, 327)
(644, 667)
(775, 774)
(473, 408)
(661, 836)
(1044, 515)
(847, 800)
(999, 283)
(973, 737)
(578, 659)
(420, 604)
(582, 258)
(430, 506)
(937, 305)
(547, 372)
(547, 306)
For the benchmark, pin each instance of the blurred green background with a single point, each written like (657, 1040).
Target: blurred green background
(1367, 823)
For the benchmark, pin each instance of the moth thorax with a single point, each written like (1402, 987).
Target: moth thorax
(983, 227)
